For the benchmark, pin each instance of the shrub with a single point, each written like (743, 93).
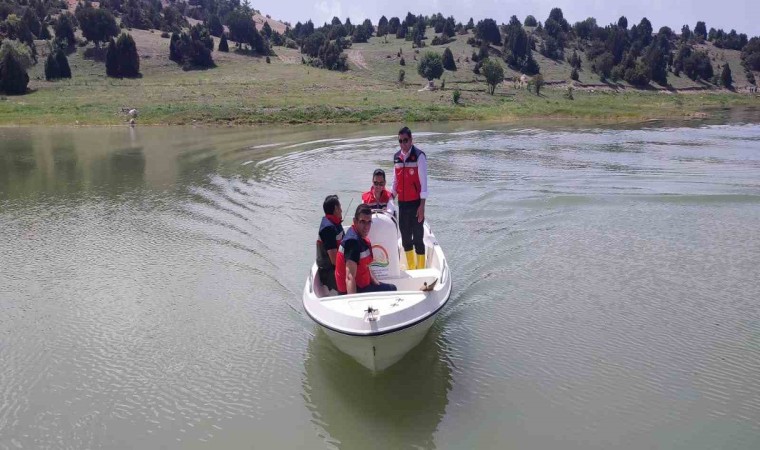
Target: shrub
(190, 51)
(538, 82)
(430, 66)
(448, 60)
(223, 45)
(401, 75)
(574, 74)
(725, 77)
(51, 68)
(13, 76)
(493, 72)
(122, 59)
(63, 64)
(455, 96)
(402, 61)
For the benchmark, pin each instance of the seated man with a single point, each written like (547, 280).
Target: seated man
(352, 272)
(330, 235)
(377, 197)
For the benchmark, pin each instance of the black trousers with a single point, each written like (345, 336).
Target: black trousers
(411, 230)
(327, 277)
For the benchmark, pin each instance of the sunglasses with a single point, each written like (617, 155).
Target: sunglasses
(365, 222)
(379, 183)
(403, 141)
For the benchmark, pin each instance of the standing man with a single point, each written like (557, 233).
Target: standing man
(352, 272)
(410, 190)
(330, 236)
(377, 197)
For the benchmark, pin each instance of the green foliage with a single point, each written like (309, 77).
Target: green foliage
(402, 61)
(243, 31)
(700, 31)
(538, 82)
(312, 44)
(697, 66)
(64, 29)
(52, 72)
(731, 40)
(401, 31)
(751, 54)
(448, 60)
(603, 65)
(393, 25)
(13, 76)
(725, 77)
(266, 30)
(530, 21)
(382, 27)
(122, 60)
(401, 76)
(361, 34)
(574, 60)
(493, 72)
(574, 74)
(21, 53)
(517, 52)
(98, 25)
(569, 93)
(63, 64)
(223, 45)
(430, 66)
(191, 50)
(488, 31)
(455, 96)
(215, 26)
(330, 56)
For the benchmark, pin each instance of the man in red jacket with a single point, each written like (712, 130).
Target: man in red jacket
(410, 191)
(377, 197)
(352, 271)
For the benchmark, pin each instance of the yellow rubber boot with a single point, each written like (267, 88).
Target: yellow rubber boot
(420, 261)
(410, 260)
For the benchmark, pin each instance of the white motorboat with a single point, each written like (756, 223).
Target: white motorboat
(379, 328)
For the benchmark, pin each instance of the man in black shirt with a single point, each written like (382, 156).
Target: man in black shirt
(330, 236)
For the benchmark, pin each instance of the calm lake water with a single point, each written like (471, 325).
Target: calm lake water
(606, 289)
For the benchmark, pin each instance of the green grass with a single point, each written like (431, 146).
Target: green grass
(246, 90)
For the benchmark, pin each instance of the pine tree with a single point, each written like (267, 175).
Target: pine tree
(223, 45)
(52, 72)
(13, 76)
(725, 77)
(64, 70)
(448, 60)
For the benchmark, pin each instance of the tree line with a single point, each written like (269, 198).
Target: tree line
(615, 52)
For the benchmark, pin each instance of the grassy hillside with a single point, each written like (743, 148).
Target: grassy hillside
(244, 89)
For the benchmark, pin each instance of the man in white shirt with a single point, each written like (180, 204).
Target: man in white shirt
(410, 191)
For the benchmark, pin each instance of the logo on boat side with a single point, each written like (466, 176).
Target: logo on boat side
(380, 256)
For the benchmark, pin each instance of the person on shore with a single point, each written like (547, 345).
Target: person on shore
(377, 197)
(352, 271)
(330, 237)
(410, 191)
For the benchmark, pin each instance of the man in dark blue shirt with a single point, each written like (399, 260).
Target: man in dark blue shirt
(330, 236)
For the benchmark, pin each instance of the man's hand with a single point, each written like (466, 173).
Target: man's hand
(421, 213)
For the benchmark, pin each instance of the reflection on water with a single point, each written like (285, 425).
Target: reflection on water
(398, 408)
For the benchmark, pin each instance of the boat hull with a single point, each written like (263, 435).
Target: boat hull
(379, 352)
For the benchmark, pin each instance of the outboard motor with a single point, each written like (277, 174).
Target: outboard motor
(385, 250)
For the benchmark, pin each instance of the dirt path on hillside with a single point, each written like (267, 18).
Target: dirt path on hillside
(355, 56)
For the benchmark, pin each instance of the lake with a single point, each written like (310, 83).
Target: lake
(606, 288)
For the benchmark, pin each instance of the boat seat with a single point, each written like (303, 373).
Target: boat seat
(385, 248)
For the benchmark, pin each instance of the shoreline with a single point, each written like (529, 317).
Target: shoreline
(588, 107)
